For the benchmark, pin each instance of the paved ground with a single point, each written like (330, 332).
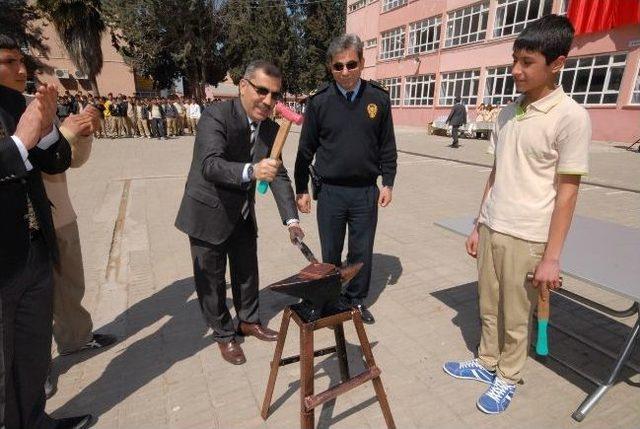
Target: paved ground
(167, 373)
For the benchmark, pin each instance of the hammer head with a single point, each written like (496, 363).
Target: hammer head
(289, 114)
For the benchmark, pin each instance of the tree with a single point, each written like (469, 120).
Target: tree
(323, 21)
(18, 21)
(165, 45)
(263, 29)
(80, 27)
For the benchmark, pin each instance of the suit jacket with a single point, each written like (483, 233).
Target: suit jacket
(56, 185)
(458, 115)
(16, 182)
(214, 193)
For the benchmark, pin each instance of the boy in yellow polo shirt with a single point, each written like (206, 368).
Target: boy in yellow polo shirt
(541, 148)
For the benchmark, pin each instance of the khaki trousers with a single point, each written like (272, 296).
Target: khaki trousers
(72, 325)
(507, 301)
(143, 128)
(172, 130)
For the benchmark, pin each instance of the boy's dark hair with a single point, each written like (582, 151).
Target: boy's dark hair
(9, 43)
(550, 35)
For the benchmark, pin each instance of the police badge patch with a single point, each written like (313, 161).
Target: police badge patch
(372, 110)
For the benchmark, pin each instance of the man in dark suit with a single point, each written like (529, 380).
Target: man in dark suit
(217, 211)
(457, 118)
(29, 144)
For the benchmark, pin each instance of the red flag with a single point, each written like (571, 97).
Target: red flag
(591, 16)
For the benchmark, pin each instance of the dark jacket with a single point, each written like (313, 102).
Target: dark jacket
(16, 182)
(214, 193)
(458, 115)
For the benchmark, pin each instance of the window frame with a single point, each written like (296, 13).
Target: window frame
(392, 84)
(492, 73)
(583, 97)
(427, 81)
(467, 99)
(434, 22)
(481, 9)
(504, 10)
(387, 38)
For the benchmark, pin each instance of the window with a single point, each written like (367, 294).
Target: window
(418, 90)
(635, 94)
(593, 80)
(357, 5)
(371, 43)
(513, 15)
(463, 84)
(499, 88)
(392, 42)
(564, 7)
(393, 86)
(467, 25)
(392, 4)
(424, 36)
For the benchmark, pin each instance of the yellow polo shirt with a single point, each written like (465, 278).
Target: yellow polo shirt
(531, 148)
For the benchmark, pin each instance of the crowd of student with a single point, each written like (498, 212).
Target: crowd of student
(127, 116)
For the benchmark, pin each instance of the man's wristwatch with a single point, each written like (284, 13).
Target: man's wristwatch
(251, 172)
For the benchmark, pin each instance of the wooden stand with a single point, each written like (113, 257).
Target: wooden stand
(309, 401)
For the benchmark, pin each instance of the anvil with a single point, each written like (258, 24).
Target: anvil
(319, 286)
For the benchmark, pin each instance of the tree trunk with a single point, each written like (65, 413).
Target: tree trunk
(94, 86)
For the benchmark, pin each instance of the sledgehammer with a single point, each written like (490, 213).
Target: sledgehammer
(288, 116)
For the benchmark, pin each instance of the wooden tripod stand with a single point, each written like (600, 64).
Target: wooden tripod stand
(309, 401)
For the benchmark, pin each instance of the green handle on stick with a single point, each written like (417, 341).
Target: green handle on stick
(542, 345)
(262, 187)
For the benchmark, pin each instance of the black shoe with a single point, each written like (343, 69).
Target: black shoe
(77, 422)
(366, 315)
(98, 341)
(50, 389)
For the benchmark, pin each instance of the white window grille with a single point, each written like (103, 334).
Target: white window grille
(392, 43)
(371, 43)
(463, 84)
(418, 90)
(564, 7)
(393, 86)
(424, 36)
(594, 80)
(392, 4)
(512, 16)
(635, 94)
(499, 88)
(357, 5)
(467, 25)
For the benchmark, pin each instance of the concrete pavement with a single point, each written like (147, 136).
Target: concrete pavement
(167, 373)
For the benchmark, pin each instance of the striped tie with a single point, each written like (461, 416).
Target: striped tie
(254, 133)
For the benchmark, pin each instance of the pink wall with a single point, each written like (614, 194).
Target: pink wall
(116, 76)
(615, 123)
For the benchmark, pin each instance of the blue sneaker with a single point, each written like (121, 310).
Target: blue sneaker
(469, 370)
(497, 398)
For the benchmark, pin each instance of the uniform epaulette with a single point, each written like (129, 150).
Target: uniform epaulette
(320, 89)
(378, 85)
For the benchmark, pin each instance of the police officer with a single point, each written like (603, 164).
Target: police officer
(349, 129)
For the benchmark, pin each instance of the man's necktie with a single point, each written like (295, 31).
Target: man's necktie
(31, 217)
(254, 133)
(349, 96)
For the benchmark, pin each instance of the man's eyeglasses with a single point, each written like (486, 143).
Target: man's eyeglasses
(263, 92)
(351, 65)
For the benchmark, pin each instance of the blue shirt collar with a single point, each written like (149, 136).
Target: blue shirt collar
(355, 89)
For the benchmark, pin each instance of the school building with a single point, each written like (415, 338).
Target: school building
(427, 52)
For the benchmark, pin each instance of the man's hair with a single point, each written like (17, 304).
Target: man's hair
(9, 43)
(457, 99)
(550, 35)
(265, 66)
(342, 43)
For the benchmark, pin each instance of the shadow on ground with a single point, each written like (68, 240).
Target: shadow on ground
(182, 336)
(595, 327)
